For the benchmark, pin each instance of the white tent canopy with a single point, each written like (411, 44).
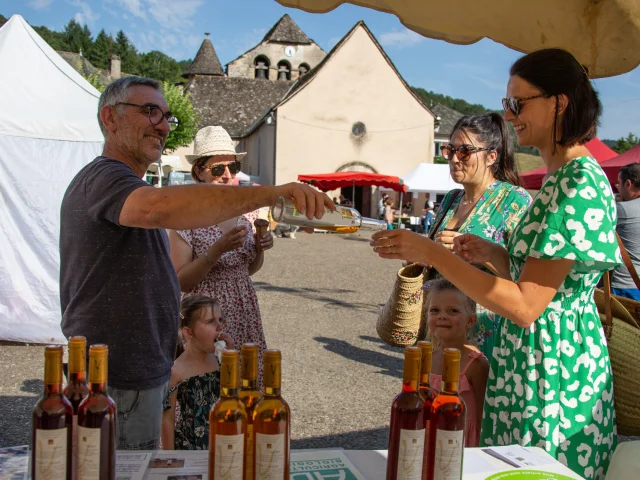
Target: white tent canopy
(48, 132)
(429, 177)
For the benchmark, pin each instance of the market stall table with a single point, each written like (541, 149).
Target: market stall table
(324, 463)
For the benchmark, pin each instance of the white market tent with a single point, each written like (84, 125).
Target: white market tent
(429, 177)
(48, 132)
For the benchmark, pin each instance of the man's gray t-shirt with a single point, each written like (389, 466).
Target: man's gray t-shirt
(629, 230)
(117, 284)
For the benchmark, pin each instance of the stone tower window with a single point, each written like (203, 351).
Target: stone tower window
(303, 69)
(261, 66)
(284, 70)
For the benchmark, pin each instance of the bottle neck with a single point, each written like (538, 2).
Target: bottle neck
(52, 389)
(229, 392)
(410, 385)
(425, 379)
(98, 388)
(271, 391)
(449, 388)
(248, 384)
(78, 378)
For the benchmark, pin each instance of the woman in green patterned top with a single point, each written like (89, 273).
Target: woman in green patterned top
(490, 205)
(550, 383)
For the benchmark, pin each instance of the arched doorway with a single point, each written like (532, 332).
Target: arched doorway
(361, 198)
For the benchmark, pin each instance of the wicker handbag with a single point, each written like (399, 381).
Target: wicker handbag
(621, 321)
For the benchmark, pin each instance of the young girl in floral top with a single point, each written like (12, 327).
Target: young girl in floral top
(195, 377)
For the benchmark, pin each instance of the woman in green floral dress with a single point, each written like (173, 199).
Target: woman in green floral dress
(550, 383)
(490, 204)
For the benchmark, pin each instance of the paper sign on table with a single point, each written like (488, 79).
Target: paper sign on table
(322, 465)
(518, 456)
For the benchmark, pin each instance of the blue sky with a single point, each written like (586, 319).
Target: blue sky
(477, 73)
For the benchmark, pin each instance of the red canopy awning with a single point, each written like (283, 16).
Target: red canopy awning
(612, 167)
(332, 181)
(533, 179)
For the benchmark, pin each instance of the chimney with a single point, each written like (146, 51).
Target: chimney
(114, 67)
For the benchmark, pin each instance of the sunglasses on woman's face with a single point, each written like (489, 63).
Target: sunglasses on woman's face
(217, 170)
(514, 105)
(462, 153)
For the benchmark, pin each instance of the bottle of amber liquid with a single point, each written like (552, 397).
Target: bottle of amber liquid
(448, 416)
(52, 421)
(272, 424)
(77, 389)
(250, 396)
(227, 424)
(426, 392)
(96, 452)
(407, 431)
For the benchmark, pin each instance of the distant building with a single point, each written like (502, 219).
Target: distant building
(445, 121)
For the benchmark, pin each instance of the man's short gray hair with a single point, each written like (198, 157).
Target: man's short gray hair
(118, 91)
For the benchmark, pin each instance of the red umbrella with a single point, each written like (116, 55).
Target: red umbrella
(612, 167)
(333, 181)
(533, 179)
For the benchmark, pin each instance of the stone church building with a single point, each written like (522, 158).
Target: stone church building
(298, 110)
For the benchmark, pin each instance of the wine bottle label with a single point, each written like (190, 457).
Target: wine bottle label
(51, 454)
(229, 458)
(249, 456)
(88, 452)
(74, 447)
(410, 455)
(270, 456)
(448, 455)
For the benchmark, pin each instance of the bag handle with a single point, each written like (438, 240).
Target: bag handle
(436, 226)
(627, 262)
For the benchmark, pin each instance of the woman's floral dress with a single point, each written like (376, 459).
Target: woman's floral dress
(230, 285)
(196, 395)
(494, 217)
(550, 384)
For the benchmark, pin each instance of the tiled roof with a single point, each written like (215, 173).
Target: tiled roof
(448, 118)
(235, 103)
(206, 61)
(286, 31)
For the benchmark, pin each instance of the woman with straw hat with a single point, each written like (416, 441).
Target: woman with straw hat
(218, 261)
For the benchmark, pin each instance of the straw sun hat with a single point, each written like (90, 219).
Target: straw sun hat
(212, 141)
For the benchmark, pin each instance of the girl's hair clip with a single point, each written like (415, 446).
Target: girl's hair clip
(181, 316)
(427, 285)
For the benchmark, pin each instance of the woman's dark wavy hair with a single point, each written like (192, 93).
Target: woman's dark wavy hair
(555, 72)
(492, 131)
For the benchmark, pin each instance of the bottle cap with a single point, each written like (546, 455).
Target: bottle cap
(52, 364)
(229, 369)
(77, 354)
(272, 368)
(98, 363)
(249, 356)
(426, 348)
(451, 365)
(412, 356)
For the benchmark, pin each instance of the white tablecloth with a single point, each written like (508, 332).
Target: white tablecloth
(373, 464)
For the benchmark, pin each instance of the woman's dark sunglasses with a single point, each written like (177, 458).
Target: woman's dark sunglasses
(463, 152)
(514, 104)
(217, 170)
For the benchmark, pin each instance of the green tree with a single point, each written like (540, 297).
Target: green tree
(3, 20)
(77, 37)
(624, 144)
(456, 104)
(128, 53)
(101, 50)
(157, 65)
(181, 106)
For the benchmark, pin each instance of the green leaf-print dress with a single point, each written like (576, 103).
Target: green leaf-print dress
(550, 385)
(494, 217)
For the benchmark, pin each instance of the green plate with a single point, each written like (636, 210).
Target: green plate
(528, 475)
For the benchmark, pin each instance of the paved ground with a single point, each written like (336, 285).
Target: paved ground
(319, 295)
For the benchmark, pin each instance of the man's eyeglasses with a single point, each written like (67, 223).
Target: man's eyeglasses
(155, 114)
(217, 170)
(515, 104)
(462, 153)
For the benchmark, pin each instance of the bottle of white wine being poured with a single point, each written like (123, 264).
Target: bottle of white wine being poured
(342, 220)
